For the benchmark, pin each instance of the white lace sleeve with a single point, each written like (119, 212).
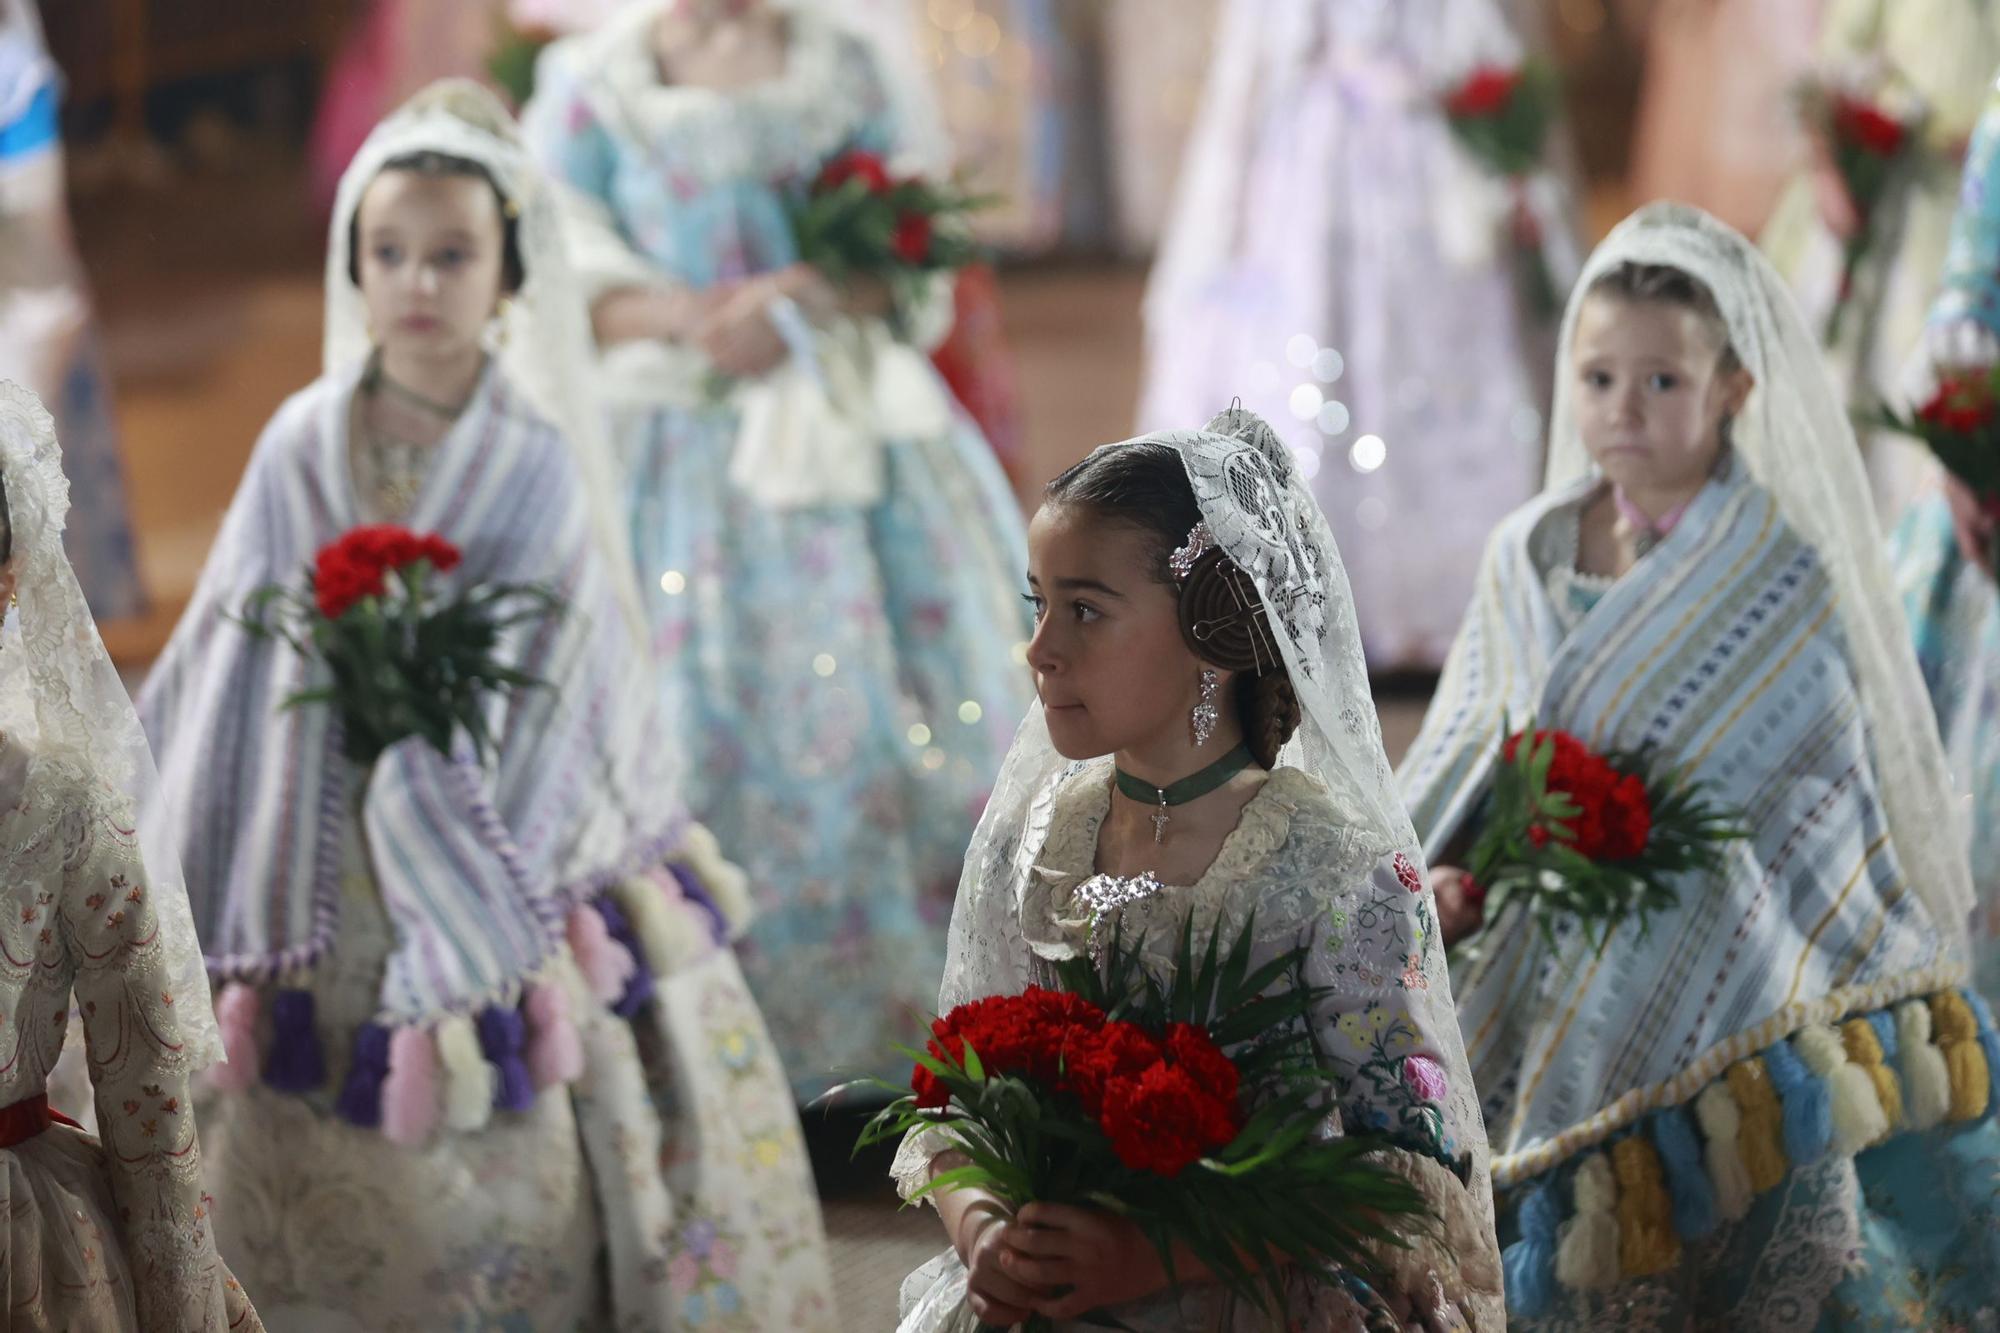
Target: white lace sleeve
(140, 1069)
(985, 954)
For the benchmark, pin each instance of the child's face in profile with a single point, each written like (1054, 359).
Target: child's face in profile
(1110, 665)
(432, 255)
(1650, 392)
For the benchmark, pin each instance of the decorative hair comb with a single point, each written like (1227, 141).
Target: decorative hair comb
(1199, 541)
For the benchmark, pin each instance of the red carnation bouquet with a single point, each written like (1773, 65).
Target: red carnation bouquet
(405, 659)
(1197, 1107)
(1874, 151)
(1502, 116)
(857, 219)
(1591, 838)
(1960, 423)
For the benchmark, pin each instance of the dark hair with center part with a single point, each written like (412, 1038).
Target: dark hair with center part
(1663, 284)
(1144, 486)
(6, 524)
(436, 165)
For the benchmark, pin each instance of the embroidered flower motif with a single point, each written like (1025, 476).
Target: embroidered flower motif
(1406, 874)
(94, 901)
(1425, 1077)
(115, 920)
(131, 1108)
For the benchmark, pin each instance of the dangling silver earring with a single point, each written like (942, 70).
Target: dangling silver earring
(1206, 714)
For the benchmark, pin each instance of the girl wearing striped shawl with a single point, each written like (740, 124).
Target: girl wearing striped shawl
(1775, 1109)
(507, 1073)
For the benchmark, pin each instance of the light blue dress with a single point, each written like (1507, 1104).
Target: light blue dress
(847, 675)
(1953, 608)
(98, 539)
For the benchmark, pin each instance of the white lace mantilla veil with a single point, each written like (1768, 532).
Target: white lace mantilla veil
(542, 338)
(1260, 513)
(62, 701)
(1798, 443)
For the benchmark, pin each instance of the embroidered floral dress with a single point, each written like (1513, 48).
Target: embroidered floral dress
(117, 1233)
(1375, 942)
(846, 672)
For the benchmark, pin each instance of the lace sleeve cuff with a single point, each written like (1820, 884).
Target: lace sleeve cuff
(914, 1158)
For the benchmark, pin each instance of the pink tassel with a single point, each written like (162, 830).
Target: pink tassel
(236, 1011)
(555, 1051)
(606, 964)
(410, 1108)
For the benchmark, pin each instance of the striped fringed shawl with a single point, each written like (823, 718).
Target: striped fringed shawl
(477, 868)
(1723, 649)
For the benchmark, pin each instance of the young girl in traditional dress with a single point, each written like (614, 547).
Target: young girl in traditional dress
(1336, 258)
(115, 1236)
(1773, 1108)
(1190, 759)
(824, 542)
(509, 1071)
(1944, 548)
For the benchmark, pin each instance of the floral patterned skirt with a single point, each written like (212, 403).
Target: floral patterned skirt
(847, 680)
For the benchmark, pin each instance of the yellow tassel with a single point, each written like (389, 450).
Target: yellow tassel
(1857, 1112)
(1587, 1245)
(725, 881)
(468, 1079)
(1722, 1127)
(1864, 1051)
(1762, 1138)
(1926, 1081)
(670, 934)
(1965, 1062)
(1647, 1242)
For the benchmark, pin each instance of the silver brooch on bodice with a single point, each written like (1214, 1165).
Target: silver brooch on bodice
(1108, 895)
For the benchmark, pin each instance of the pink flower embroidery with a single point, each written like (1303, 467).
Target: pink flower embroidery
(1406, 874)
(684, 1273)
(1425, 1077)
(722, 1260)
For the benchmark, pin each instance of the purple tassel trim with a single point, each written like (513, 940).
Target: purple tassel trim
(503, 1036)
(296, 1063)
(639, 989)
(697, 893)
(360, 1099)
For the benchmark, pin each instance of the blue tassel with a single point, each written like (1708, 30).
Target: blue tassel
(1884, 1024)
(503, 1036)
(360, 1099)
(296, 1063)
(639, 989)
(1530, 1262)
(1687, 1174)
(697, 893)
(1807, 1101)
(1989, 1041)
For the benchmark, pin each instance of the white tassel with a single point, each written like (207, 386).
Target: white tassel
(1926, 1077)
(1722, 1125)
(1587, 1244)
(1858, 1119)
(727, 885)
(469, 1080)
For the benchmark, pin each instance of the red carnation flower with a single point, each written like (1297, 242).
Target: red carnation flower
(1162, 1121)
(1192, 1049)
(1485, 92)
(855, 164)
(1114, 1051)
(1868, 127)
(912, 241)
